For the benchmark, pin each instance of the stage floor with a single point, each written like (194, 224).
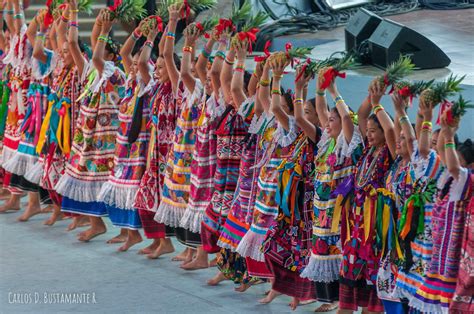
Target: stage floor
(451, 30)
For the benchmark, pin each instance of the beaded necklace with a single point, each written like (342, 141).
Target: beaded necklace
(365, 171)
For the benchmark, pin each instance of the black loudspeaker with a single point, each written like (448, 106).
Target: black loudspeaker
(390, 40)
(360, 27)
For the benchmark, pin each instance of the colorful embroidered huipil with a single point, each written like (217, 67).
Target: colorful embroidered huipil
(203, 165)
(162, 123)
(93, 148)
(230, 135)
(119, 192)
(448, 221)
(288, 241)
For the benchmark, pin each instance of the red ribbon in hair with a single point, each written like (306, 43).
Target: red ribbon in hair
(266, 52)
(115, 6)
(223, 25)
(329, 77)
(445, 107)
(250, 35)
(303, 69)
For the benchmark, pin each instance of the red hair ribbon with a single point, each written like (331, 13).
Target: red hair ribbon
(329, 77)
(303, 69)
(445, 107)
(406, 92)
(223, 25)
(115, 6)
(250, 35)
(266, 52)
(201, 29)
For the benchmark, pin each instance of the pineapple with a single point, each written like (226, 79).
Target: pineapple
(149, 24)
(332, 67)
(127, 10)
(442, 90)
(253, 23)
(457, 110)
(195, 6)
(291, 54)
(396, 71)
(413, 88)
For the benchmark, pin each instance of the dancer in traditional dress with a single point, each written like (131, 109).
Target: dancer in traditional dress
(93, 148)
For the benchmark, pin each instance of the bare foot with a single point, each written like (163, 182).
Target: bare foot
(270, 297)
(121, 238)
(181, 256)
(306, 302)
(77, 222)
(214, 281)
(13, 204)
(294, 303)
(213, 262)
(29, 212)
(195, 264)
(327, 307)
(47, 209)
(149, 249)
(132, 239)
(4, 194)
(54, 217)
(165, 247)
(91, 233)
(243, 287)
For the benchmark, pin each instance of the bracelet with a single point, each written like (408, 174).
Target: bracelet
(277, 76)
(170, 34)
(299, 101)
(254, 74)
(136, 35)
(450, 145)
(427, 123)
(74, 11)
(102, 38)
(149, 43)
(377, 108)
(188, 49)
(340, 101)
(221, 55)
(73, 24)
(9, 12)
(276, 91)
(403, 119)
(169, 37)
(240, 66)
(64, 19)
(205, 54)
(18, 16)
(264, 83)
(338, 98)
(321, 93)
(228, 61)
(239, 70)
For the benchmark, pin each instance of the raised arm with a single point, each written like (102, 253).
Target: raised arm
(168, 50)
(2, 33)
(449, 146)
(400, 103)
(321, 104)
(344, 112)
(190, 38)
(98, 55)
(97, 28)
(73, 39)
(127, 48)
(201, 64)
(216, 68)
(308, 128)
(19, 16)
(63, 25)
(278, 68)
(33, 28)
(38, 48)
(237, 84)
(386, 122)
(425, 115)
(9, 17)
(226, 75)
(264, 90)
(258, 75)
(146, 54)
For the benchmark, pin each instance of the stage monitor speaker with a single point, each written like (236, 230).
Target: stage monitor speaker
(390, 40)
(360, 27)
